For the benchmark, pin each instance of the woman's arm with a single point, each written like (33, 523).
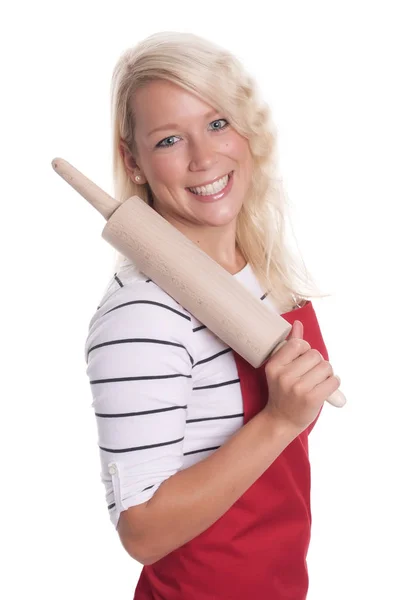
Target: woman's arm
(192, 500)
(139, 365)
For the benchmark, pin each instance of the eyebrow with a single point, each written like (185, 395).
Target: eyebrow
(176, 126)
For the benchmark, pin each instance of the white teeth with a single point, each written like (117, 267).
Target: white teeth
(214, 188)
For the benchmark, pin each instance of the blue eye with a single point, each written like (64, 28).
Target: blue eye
(164, 143)
(218, 121)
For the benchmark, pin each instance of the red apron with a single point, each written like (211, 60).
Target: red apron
(257, 549)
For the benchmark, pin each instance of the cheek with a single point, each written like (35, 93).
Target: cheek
(239, 148)
(166, 171)
(247, 157)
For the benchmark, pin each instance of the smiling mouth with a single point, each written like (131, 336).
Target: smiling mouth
(212, 188)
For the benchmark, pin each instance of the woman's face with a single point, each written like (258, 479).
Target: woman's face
(193, 146)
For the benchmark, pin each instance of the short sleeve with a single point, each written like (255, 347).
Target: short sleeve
(139, 368)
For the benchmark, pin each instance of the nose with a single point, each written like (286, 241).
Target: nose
(202, 155)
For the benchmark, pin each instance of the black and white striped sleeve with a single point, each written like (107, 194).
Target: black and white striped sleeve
(139, 366)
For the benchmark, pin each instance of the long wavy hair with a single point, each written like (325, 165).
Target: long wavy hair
(217, 77)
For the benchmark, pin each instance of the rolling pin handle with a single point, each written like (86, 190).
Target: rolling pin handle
(337, 399)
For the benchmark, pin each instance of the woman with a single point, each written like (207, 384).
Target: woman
(204, 458)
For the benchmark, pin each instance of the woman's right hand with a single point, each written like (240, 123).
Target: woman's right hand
(299, 382)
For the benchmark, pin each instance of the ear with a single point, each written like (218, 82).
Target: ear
(131, 166)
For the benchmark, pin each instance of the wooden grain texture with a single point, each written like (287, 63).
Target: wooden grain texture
(186, 273)
(195, 280)
(98, 198)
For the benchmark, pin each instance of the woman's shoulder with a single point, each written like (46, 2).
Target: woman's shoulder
(139, 296)
(134, 307)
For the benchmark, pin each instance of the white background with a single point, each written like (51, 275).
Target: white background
(329, 71)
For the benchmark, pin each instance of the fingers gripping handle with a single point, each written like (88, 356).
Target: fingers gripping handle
(240, 329)
(337, 399)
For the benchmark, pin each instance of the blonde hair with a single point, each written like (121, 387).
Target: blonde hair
(218, 78)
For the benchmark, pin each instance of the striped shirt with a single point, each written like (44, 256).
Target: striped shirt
(166, 392)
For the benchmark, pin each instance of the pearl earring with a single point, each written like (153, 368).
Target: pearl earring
(137, 178)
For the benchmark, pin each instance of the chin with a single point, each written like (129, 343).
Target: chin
(221, 222)
(221, 217)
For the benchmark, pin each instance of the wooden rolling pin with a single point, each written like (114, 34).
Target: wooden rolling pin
(187, 274)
